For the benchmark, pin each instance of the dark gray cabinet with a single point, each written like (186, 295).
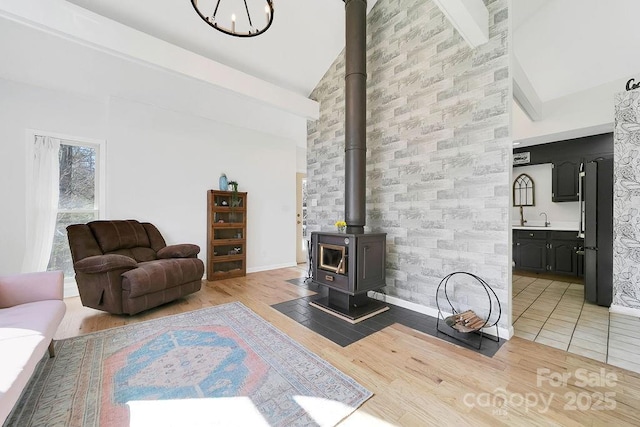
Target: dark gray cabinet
(588, 147)
(564, 180)
(564, 247)
(531, 250)
(552, 251)
(533, 255)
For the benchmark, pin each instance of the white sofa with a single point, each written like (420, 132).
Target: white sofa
(31, 309)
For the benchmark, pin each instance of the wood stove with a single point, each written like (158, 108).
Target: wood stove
(349, 263)
(352, 264)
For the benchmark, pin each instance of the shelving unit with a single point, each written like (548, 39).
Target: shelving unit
(226, 234)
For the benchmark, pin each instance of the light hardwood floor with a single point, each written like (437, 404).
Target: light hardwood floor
(419, 380)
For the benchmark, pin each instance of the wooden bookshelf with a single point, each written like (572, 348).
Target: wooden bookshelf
(226, 234)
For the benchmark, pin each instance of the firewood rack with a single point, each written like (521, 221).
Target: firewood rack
(467, 321)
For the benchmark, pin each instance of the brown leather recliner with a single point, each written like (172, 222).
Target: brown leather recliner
(126, 266)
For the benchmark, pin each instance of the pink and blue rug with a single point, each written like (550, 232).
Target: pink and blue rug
(222, 365)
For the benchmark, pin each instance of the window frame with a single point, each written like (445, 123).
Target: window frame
(100, 206)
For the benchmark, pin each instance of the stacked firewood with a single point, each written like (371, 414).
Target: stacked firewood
(467, 321)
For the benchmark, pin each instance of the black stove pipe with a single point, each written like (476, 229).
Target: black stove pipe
(355, 146)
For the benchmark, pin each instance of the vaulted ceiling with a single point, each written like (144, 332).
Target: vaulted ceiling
(568, 46)
(561, 47)
(304, 39)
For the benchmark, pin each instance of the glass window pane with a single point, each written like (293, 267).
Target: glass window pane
(77, 177)
(60, 253)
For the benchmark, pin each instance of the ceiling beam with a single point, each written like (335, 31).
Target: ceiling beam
(469, 17)
(74, 23)
(524, 93)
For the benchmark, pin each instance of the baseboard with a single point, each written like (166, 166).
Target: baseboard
(505, 333)
(271, 267)
(620, 309)
(70, 289)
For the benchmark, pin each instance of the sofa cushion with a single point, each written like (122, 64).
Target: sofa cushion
(30, 287)
(25, 333)
(154, 276)
(121, 234)
(82, 242)
(103, 263)
(138, 253)
(184, 250)
(155, 238)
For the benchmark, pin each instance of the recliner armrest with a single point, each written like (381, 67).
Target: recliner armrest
(31, 287)
(103, 263)
(185, 250)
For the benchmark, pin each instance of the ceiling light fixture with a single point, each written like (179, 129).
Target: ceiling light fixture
(211, 10)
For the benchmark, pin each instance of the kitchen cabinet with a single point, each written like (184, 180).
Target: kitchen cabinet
(563, 248)
(581, 260)
(587, 147)
(548, 251)
(564, 180)
(531, 250)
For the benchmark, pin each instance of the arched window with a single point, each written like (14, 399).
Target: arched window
(523, 191)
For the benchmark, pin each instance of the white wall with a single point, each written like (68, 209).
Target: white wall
(301, 159)
(23, 107)
(556, 212)
(159, 165)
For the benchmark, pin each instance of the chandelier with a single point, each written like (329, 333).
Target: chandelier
(247, 20)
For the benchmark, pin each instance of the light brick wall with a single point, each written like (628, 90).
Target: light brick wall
(438, 148)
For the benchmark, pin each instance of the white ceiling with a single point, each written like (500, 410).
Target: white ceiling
(568, 46)
(562, 46)
(303, 41)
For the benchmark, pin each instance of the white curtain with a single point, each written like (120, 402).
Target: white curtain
(42, 203)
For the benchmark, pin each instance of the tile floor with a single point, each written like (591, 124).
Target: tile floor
(555, 313)
(344, 333)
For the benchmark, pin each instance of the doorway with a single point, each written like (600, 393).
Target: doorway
(301, 218)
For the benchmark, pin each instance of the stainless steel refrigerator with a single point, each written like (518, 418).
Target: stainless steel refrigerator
(596, 227)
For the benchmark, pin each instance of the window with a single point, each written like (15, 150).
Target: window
(80, 198)
(78, 201)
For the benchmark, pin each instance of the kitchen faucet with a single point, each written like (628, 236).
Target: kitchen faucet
(546, 220)
(522, 220)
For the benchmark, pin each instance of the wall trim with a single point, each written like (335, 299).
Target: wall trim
(620, 309)
(506, 333)
(270, 267)
(70, 288)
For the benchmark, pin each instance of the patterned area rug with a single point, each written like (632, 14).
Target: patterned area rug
(222, 365)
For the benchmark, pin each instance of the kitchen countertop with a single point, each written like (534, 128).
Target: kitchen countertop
(550, 228)
(555, 226)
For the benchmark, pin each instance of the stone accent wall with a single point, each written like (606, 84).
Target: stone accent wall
(439, 148)
(626, 201)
